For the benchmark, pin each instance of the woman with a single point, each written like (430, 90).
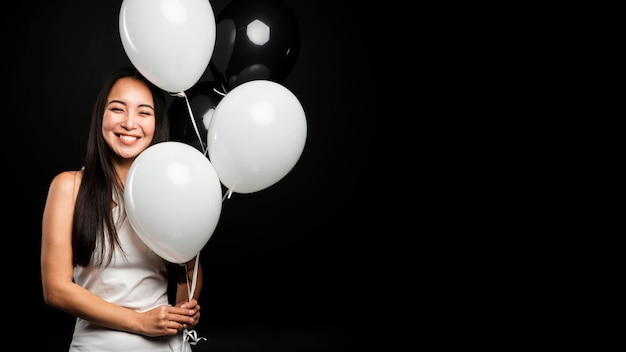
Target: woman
(93, 264)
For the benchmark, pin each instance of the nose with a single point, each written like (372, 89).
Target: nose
(129, 121)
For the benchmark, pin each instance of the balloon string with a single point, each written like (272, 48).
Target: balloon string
(223, 94)
(191, 335)
(193, 121)
(191, 289)
(227, 194)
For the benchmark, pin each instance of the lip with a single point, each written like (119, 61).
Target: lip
(126, 138)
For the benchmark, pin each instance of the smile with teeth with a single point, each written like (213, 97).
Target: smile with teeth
(128, 138)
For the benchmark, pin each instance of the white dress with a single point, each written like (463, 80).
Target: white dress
(134, 280)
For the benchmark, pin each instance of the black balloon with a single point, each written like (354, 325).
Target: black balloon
(203, 97)
(255, 39)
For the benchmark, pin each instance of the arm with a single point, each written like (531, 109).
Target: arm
(57, 273)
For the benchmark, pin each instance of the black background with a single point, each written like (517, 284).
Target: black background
(301, 265)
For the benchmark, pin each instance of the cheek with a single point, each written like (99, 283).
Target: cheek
(108, 123)
(148, 127)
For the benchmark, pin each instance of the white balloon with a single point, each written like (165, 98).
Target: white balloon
(173, 199)
(168, 41)
(256, 135)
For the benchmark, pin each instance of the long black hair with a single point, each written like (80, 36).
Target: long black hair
(93, 219)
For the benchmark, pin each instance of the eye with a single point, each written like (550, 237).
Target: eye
(116, 107)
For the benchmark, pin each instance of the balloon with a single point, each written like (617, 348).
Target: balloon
(203, 99)
(168, 41)
(255, 40)
(173, 199)
(256, 135)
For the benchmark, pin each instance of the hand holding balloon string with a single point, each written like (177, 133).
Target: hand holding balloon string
(190, 335)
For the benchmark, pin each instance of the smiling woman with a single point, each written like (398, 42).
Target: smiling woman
(128, 124)
(94, 266)
(280, 259)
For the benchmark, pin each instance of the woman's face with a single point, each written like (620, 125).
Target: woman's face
(129, 121)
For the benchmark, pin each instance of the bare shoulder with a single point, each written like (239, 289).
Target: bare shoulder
(67, 182)
(60, 202)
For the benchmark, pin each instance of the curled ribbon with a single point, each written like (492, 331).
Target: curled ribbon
(192, 337)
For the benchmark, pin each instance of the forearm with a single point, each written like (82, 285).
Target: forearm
(77, 301)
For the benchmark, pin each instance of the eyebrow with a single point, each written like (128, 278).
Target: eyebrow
(123, 103)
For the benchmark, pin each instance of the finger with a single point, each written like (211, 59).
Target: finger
(183, 311)
(182, 319)
(191, 304)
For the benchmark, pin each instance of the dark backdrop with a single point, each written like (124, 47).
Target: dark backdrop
(301, 265)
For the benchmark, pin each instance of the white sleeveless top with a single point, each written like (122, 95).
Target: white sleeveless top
(134, 279)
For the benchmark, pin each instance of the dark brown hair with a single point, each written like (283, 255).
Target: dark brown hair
(93, 219)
